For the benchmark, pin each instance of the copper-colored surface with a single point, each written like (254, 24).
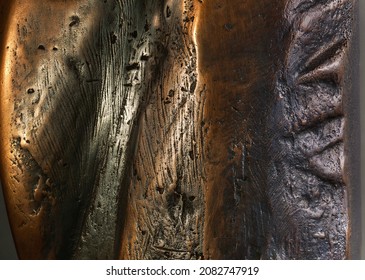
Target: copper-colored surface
(239, 70)
(175, 129)
(51, 90)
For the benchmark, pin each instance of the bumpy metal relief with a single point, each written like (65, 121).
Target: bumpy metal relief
(135, 129)
(165, 213)
(310, 217)
(73, 103)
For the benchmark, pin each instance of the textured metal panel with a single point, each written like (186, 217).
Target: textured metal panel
(178, 129)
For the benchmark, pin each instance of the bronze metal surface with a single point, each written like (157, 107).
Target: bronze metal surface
(196, 129)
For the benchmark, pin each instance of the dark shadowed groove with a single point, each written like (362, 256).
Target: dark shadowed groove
(353, 137)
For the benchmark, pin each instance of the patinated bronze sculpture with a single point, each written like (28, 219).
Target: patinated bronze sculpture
(175, 129)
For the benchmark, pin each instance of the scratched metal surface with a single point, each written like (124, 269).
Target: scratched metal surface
(181, 129)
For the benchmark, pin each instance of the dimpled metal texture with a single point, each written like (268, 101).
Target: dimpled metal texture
(180, 129)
